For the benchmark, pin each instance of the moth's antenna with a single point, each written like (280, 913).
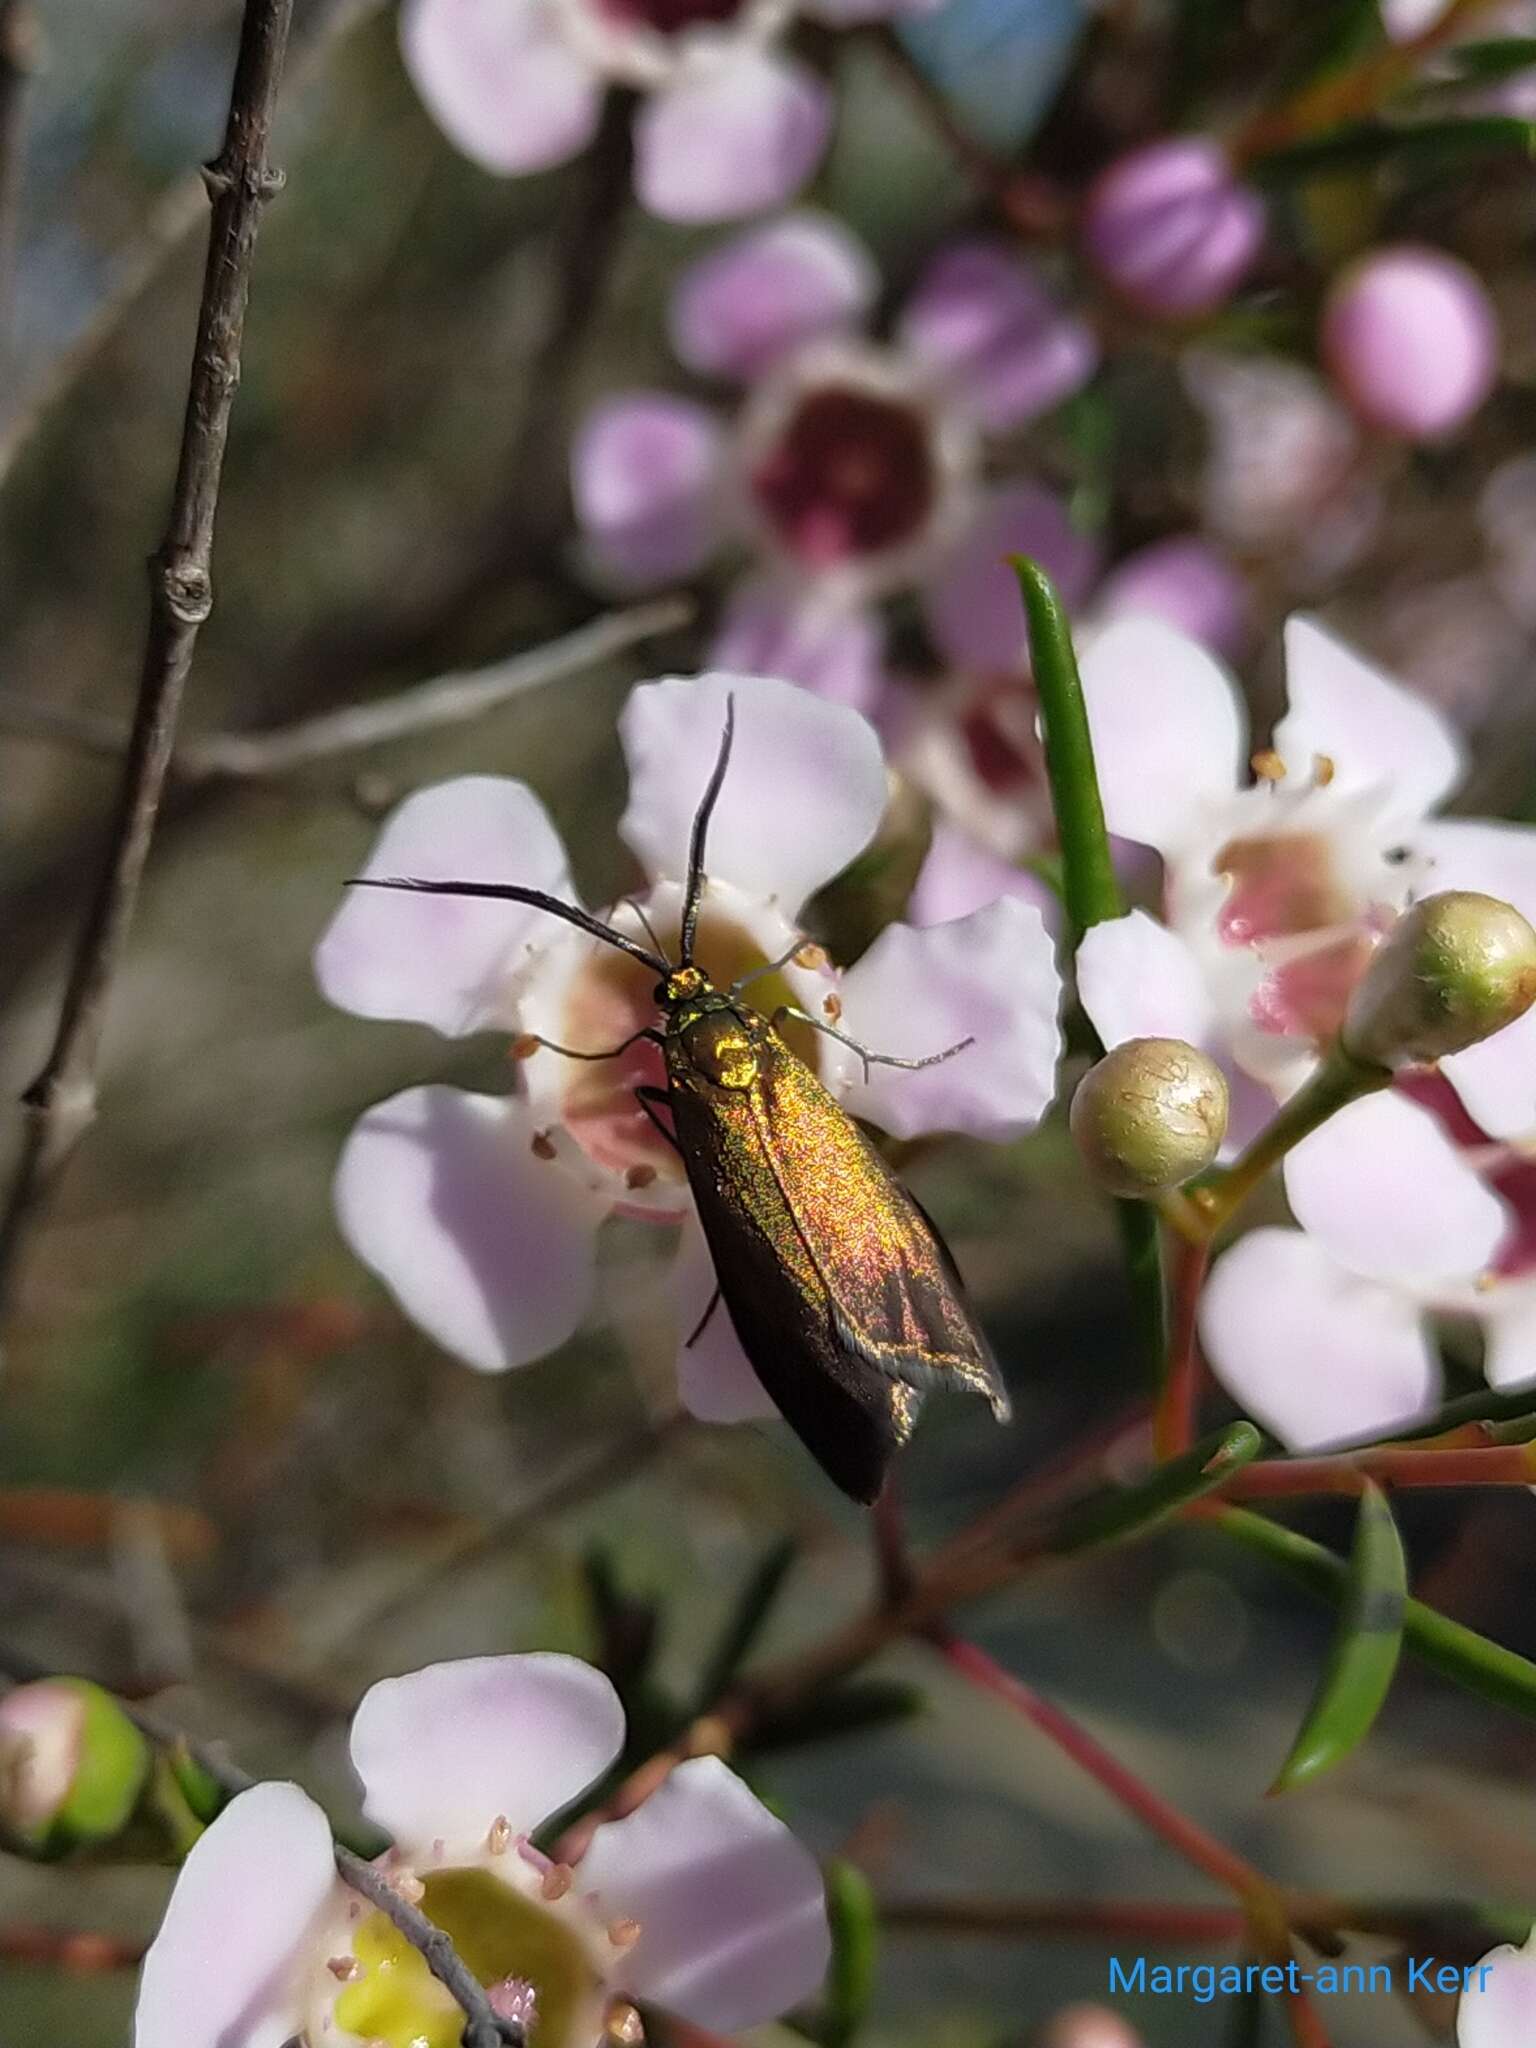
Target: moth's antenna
(508, 892)
(700, 833)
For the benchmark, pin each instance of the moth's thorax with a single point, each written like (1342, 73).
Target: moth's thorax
(710, 1038)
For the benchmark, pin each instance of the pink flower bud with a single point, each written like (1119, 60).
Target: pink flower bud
(1170, 228)
(1410, 339)
(72, 1766)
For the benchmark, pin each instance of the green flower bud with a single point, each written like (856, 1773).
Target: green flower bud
(1151, 1115)
(72, 1766)
(1454, 969)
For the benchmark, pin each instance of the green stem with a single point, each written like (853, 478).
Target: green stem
(1333, 1084)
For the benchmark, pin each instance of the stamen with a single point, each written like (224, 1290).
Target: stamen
(709, 1736)
(557, 1881)
(514, 1999)
(1323, 770)
(623, 2026)
(498, 1840)
(811, 957)
(639, 1176)
(1268, 766)
(345, 1969)
(832, 1007)
(625, 1933)
(543, 1146)
(525, 1045)
(407, 1885)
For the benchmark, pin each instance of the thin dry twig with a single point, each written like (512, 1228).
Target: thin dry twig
(425, 707)
(62, 1100)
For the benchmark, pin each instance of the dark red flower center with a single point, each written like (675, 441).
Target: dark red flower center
(998, 727)
(1511, 1177)
(850, 473)
(671, 17)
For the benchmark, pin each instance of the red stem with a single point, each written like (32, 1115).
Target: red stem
(1182, 1835)
(1492, 1465)
(1179, 1403)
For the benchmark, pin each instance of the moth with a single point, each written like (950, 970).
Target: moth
(843, 1295)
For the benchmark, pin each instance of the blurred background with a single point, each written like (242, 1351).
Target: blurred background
(228, 1465)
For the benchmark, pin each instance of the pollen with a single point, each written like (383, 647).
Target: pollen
(833, 1007)
(709, 1736)
(345, 1969)
(498, 1838)
(623, 2026)
(639, 1176)
(1324, 769)
(625, 1933)
(1268, 766)
(812, 958)
(405, 1884)
(1486, 1281)
(557, 1881)
(525, 1046)
(543, 1145)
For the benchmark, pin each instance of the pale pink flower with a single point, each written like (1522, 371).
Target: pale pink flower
(1411, 340)
(1498, 2006)
(852, 469)
(1411, 1210)
(728, 123)
(701, 1901)
(1277, 889)
(481, 1212)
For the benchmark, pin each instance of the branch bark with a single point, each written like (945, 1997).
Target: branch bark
(61, 1102)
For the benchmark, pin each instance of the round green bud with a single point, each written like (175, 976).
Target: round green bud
(1454, 969)
(1151, 1115)
(72, 1766)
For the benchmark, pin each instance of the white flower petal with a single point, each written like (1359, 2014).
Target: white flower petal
(777, 627)
(1313, 1352)
(733, 140)
(1499, 2010)
(714, 1379)
(1377, 734)
(219, 1974)
(959, 874)
(1138, 979)
(730, 1905)
(983, 318)
(445, 960)
(484, 1243)
(501, 81)
(1169, 733)
(446, 1752)
(803, 794)
(1389, 1195)
(991, 977)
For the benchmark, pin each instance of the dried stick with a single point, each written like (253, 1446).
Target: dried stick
(425, 707)
(62, 1100)
(483, 2027)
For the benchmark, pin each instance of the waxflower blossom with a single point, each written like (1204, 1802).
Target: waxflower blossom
(1498, 2007)
(852, 469)
(1276, 891)
(1171, 229)
(700, 1901)
(1410, 339)
(728, 123)
(481, 1212)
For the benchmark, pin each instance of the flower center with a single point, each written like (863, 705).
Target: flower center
(535, 1966)
(1509, 1172)
(1286, 901)
(998, 728)
(670, 17)
(851, 473)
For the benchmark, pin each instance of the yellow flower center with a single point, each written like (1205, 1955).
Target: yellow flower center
(393, 1998)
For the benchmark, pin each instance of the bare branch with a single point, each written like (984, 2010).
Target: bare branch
(62, 1100)
(445, 700)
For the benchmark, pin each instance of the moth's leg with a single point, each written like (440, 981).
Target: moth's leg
(647, 1098)
(649, 928)
(703, 1323)
(869, 1059)
(531, 1041)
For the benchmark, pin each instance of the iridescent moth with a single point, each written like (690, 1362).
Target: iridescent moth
(843, 1295)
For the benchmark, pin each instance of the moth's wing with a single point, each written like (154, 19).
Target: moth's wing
(898, 1301)
(851, 1420)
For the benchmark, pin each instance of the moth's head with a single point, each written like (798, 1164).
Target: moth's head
(681, 986)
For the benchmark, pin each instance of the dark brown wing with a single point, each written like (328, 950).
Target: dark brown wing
(845, 1299)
